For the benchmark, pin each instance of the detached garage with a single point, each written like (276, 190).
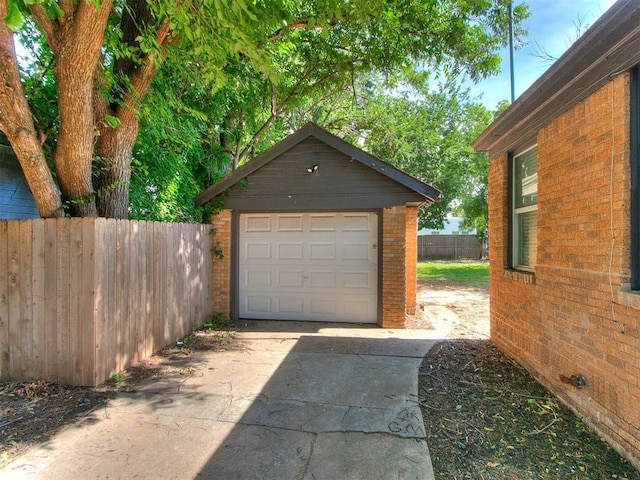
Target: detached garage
(316, 229)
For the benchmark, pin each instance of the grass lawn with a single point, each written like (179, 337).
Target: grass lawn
(473, 273)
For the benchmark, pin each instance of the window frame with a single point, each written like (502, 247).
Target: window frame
(515, 212)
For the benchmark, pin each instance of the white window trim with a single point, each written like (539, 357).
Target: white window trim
(515, 216)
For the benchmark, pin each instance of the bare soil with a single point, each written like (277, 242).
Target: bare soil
(485, 416)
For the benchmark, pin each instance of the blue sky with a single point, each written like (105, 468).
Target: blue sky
(552, 26)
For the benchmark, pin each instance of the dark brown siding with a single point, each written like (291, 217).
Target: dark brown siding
(340, 183)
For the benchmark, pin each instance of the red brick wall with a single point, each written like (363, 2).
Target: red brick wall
(394, 267)
(574, 315)
(411, 258)
(221, 224)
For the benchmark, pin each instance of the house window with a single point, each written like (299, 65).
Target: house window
(525, 209)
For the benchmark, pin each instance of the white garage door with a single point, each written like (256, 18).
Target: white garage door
(309, 266)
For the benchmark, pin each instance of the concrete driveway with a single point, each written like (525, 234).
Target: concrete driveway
(293, 401)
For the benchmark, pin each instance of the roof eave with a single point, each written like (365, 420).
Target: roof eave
(609, 47)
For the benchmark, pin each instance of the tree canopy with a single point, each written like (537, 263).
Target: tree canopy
(199, 83)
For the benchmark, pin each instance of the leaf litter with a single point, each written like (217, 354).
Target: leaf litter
(488, 418)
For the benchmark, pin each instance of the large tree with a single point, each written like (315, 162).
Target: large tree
(428, 134)
(101, 56)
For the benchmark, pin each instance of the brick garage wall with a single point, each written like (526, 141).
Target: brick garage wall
(411, 259)
(221, 224)
(574, 315)
(399, 274)
(394, 267)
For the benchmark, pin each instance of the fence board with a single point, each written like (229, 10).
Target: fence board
(448, 247)
(132, 278)
(86, 314)
(81, 299)
(4, 303)
(169, 310)
(149, 343)
(63, 267)
(75, 279)
(51, 299)
(39, 348)
(14, 291)
(109, 284)
(26, 296)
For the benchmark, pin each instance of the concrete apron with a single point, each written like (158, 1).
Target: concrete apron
(294, 401)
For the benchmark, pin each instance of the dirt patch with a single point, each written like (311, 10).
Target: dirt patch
(453, 309)
(32, 412)
(488, 418)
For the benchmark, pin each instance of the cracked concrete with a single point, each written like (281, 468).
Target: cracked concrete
(298, 401)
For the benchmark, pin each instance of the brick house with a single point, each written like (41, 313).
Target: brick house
(564, 228)
(316, 229)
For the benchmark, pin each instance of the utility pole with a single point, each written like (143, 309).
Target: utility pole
(513, 83)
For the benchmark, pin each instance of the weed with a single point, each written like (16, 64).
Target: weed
(218, 321)
(116, 377)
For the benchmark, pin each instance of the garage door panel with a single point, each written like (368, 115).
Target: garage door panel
(322, 251)
(320, 267)
(325, 307)
(357, 251)
(357, 280)
(290, 279)
(357, 223)
(258, 278)
(322, 223)
(323, 280)
(257, 223)
(290, 305)
(258, 304)
(290, 223)
(290, 251)
(257, 251)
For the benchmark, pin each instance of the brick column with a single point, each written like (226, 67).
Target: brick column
(394, 267)
(411, 258)
(221, 223)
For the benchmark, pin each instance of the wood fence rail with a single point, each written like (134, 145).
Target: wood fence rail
(83, 298)
(448, 247)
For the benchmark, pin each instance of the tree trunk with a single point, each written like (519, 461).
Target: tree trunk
(114, 146)
(113, 169)
(77, 51)
(17, 124)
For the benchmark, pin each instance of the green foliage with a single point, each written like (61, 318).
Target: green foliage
(428, 134)
(238, 75)
(218, 321)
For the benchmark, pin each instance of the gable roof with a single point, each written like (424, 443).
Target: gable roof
(430, 193)
(609, 47)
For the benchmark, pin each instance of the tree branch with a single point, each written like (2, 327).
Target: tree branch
(45, 24)
(302, 23)
(68, 7)
(141, 76)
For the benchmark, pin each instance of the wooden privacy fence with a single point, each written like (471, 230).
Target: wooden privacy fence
(83, 298)
(448, 247)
